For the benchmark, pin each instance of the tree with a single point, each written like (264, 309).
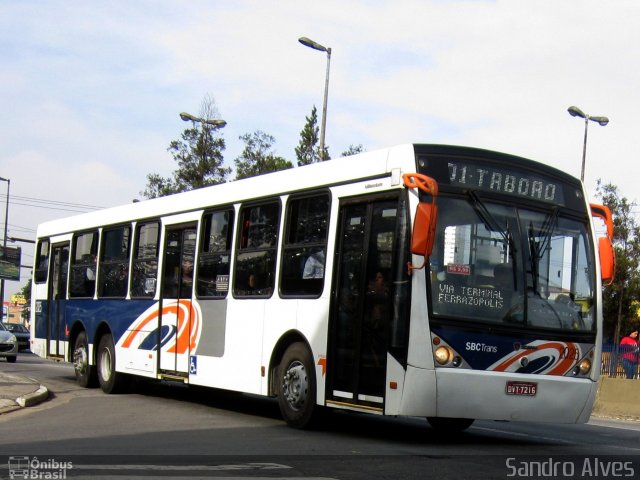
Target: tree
(353, 150)
(198, 153)
(619, 309)
(26, 308)
(257, 157)
(307, 150)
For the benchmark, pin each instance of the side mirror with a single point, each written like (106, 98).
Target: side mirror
(424, 229)
(605, 244)
(607, 260)
(603, 212)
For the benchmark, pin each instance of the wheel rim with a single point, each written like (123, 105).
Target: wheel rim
(105, 364)
(295, 385)
(80, 359)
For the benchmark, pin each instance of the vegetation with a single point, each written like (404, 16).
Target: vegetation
(620, 309)
(257, 157)
(308, 150)
(198, 154)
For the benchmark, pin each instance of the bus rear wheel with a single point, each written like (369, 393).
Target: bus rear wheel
(297, 386)
(450, 424)
(85, 373)
(110, 380)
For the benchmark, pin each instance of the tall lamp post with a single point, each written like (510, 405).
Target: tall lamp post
(4, 241)
(576, 112)
(215, 123)
(316, 46)
(187, 117)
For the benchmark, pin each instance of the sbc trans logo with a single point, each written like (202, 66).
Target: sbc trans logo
(33, 468)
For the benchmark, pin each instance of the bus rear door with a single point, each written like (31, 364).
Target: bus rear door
(179, 321)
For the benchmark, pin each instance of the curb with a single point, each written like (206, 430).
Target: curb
(31, 399)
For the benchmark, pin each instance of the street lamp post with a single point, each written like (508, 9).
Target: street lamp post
(576, 112)
(316, 46)
(4, 241)
(215, 123)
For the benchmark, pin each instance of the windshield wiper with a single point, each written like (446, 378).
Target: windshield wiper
(546, 232)
(489, 220)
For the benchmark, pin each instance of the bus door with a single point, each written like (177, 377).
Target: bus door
(57, 295)
(178, 319)
(363, 299)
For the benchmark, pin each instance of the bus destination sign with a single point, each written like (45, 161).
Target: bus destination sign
(502, 180)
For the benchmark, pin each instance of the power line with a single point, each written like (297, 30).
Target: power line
(49, 204)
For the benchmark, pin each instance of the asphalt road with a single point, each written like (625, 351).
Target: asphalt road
(179, 432)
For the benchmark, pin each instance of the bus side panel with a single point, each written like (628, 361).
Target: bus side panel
(118, 314)
(239, 368)
(39, 327)
(313, 322)
(214, 321)
(419, 394)
(420, 348)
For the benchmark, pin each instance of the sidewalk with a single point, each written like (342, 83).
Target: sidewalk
(17, 391)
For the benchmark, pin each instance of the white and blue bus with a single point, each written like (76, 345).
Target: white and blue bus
(427, 280)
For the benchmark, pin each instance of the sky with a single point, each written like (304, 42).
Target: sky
(90, 92)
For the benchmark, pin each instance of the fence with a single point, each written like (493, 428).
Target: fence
(612, 361)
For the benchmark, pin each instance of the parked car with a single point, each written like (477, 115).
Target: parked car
(22, 334)
(8, 344)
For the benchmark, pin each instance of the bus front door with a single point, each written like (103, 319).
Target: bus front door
(362, 303)
(179, 321)
(57, 297)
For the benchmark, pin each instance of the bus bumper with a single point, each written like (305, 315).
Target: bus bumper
(484, 395)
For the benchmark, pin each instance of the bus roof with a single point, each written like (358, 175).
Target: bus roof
(318, 175)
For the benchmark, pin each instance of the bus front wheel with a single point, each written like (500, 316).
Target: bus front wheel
(110, 380)
(297, 386)
(85, 373)
(450, 424)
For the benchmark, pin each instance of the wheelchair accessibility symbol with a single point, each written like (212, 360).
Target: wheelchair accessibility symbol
(193, 365)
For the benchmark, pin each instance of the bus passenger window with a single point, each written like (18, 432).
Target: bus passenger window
(114, 262)
(145, 260)
(258, 225)
(83, 265)
(42, 262)
(305, 246)
(215, 251)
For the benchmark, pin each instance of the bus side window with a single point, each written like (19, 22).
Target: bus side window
(83, 265)
(305, 246)
(256, 253)
(114, 262)
(145, 260)
(215, 252)
(42, 262)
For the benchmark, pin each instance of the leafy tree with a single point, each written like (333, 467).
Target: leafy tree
(198, 153)
(26, 308)
(353, 150)
(619, 309)
(257, 157)
(308, 150)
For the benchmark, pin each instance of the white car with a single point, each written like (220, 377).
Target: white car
(8, 345)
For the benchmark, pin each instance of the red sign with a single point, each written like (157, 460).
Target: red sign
(459, 269)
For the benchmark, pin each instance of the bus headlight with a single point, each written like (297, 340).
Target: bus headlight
(443, 355)
(582, 368)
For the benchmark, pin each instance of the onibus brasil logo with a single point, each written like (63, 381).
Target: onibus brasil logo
(22, 467)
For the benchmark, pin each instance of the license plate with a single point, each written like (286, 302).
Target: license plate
(527, 389)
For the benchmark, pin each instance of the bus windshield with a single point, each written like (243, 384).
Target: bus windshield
(507, 264)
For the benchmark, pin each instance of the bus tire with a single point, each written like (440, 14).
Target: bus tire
(296, 382)
(451, 425)
(85, 373)
(110, 380)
